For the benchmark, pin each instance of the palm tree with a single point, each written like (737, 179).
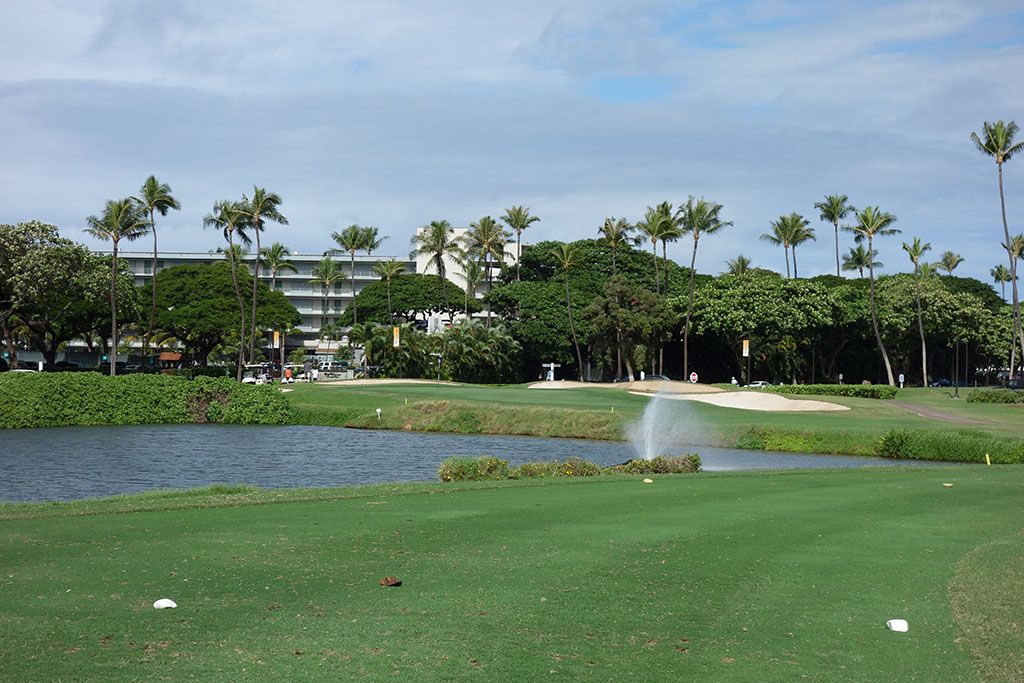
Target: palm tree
(800, 231)
(325, 274)
(738, 266)
(834, 209)
(263, 207)
(276, 258)
(858, 259)
(1015, 248)
(518, 218)
(438, 241)
(1000, 275)
(949, 261)
(615, 232)
(780, 235)
(229, 217)
(485, 241)
(474, 276)
(656, 222)
(122, 219)
(915, 250)
(372, 239)
(671, 232)
(351, 239)
(387, 270)
(872, 222)
(154, 197)
(997, 142)
(697, 217)
(568, 258)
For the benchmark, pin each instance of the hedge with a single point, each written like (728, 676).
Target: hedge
(959, 446)
(996, 396)
(86, 398)
(460, 468)
(880, 391)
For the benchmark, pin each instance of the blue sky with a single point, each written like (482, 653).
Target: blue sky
(395, 113)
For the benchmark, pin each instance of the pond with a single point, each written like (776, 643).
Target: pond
(83, 462)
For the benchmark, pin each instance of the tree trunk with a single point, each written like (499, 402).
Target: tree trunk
(113, 312)
(629, 367)
(874, 320)
(152, 308)
(488, 266)
(572, 328)
(519, 252)
(255, 281)
(786, 247)
(281, 353)
(837, 247)
(241, 308)
(1018, 336)
(654, 251)
(355, 309)
(920, 329)
(689, 310)
(795, 276)
(12, 352)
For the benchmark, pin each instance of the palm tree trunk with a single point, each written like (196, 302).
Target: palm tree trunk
(920, 329)
(786, 247)
(113, 312)
(519, 252)
(152, 308)
(255, 280)
(836, 223)
(795, 276)
(572, 328)
(488, 266)
(355, 310)
(654, 251)
(1013, 270)
(241, 308)
(689, 311)
(874, 320)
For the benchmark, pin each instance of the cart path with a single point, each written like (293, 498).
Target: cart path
(937, 414)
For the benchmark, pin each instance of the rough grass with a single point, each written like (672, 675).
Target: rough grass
(716, 577)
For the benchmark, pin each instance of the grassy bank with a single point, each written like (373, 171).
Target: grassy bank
(711, 577)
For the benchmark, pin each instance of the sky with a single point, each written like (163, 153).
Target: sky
(395, 113)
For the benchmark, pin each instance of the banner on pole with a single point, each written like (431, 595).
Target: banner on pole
(396, 334)
(746, 348)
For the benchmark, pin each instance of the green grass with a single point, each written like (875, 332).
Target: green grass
(711, 577)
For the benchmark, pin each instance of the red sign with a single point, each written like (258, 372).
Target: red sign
(693, 377)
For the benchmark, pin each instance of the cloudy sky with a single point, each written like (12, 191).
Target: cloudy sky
(393, 113)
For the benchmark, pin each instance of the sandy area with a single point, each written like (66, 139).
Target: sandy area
(754, 400)
(639, 387)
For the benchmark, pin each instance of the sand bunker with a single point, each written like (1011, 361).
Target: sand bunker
(751, 400)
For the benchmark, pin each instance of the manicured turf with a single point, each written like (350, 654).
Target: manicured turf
(710, 577)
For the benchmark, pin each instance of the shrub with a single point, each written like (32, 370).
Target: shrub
(661, 464)
(459, 468)
(996, 396)
(879, 391)
(64, 399)
(948, 446)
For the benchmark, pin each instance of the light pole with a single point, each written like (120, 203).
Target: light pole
(746, 352)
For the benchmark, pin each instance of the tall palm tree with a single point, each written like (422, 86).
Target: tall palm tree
(615, 232)
(872, 222)
(656, 222)
(474, 276)
(262, 208)
(1000, 275)
(997, 141)
(518, 218)
(276, 258)
(738, 266)
(671, 232)
(352, 239)
(834, 209)
(780, 234)
(915, 250)
(697, 217)
(568, 258)
(229, 217)
(438, 241)
(372, 239)
(949, 261)
(485, 242)
(155, 197)
(1015, 248)
(325, 274)
(800, 231)
(858, 259)
(122, 219)
(388, 270)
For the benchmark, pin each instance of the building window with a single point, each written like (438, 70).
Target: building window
(279, 286)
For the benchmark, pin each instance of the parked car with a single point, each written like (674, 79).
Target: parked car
(941, 383)
(66, 366)
(759, 384)
(4, 365)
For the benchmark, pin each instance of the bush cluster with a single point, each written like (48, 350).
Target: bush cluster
(461, 468)
(996, 396)
(947, 446)
(87, 398)
(880, 391)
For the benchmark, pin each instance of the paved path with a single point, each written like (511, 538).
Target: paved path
(937, 414)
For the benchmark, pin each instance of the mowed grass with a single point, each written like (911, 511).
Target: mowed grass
(711, 577)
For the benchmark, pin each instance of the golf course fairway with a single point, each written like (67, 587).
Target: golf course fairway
(776, 576)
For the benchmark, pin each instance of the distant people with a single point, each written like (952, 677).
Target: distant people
(288, 375)
(734, 382)
(316, 373)
(306, 368)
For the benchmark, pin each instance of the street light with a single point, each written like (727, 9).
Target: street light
(746, 352)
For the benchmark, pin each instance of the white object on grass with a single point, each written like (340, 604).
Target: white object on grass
(898, 625)
(378, 413)
(164, 603)
(648, 481)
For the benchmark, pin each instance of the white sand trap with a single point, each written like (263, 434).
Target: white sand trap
(744, 400)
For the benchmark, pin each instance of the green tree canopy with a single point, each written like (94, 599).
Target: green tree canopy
(413, 295)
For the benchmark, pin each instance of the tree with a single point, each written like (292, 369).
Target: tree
(122, 219)
(871, 223)
(656, 223)
(915, 250)
(263, 207)
(372, 239)
(518, 218)
(472, 352)
(997, 141)
(413, 296)
(1000, 275)
(858, 259)
(626, 316)
(474, 276)
(697, 217)
(276, 258)
(534, 313)
(325, 274)
(949, 261)
(16, 243)
(388, 270)
(833, 210)
(437, 240)
(351, 239)
(780, 235)
(800, 232)
(230, 218)
(738, 266)
(485, 242)
(615, 232)
(567, 256)
(155, 197)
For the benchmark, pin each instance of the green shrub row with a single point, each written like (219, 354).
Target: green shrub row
(948, 446)
(880, 391)
(996, 396)
(460, 468)
(87, 398)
